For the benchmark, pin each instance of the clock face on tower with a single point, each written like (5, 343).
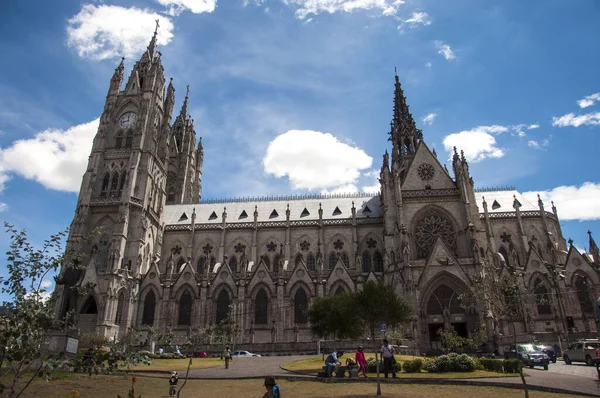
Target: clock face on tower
(127, 120)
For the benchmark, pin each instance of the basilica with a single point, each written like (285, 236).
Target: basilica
(160, 258)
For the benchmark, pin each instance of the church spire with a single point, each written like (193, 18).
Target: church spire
(152, 45)
(117, 79)
(184, 108)
(404, 132)
(594, 250)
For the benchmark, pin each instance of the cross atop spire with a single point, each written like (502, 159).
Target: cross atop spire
(157, 25)
(152, 45)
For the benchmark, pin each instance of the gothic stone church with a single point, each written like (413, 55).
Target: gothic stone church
(165, 259)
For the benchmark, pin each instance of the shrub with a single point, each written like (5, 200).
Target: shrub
(451, 363)
(413, 366)
(492, 365)
(512, 365)
(372, 365)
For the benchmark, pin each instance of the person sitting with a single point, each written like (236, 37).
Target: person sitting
(332, 360)
(273, 390)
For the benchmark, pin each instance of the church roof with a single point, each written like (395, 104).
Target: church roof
(499, 201)
(302, 208)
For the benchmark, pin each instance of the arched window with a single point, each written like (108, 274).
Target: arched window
(222, 306)
(129, 139)
(233, 264)
(171, 195)
(542, 298)
(261, 305)
(332, 259)
(149, 308)
(180, 263)
(276, 261)
(185, 309)
(583, 295)
(114, 184)
(120, 305)
(340, 290)
(345, 259)
(122, 182)
(300, 307)
(89, 307)
(265, 259)
(119, 139)
(299, 258)
(377, 262)
(366, 260)
(504, 253)
(200, 266)
(105, 183)
(311, 262)
(213, 262)
(431, 225)
(444, 297)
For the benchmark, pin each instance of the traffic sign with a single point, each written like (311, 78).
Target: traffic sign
(383, 328)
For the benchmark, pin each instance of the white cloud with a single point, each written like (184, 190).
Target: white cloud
(311, 159)
(176, 7)
(46, 283)
(572, 202)
(533, 126)
(417, 18)
(107, 31)
(3, 207)
(349, 188)
(538, 145)
(570, 119)
(307, 7)
(55, 158)
(429, 118)
(445, 50)
(589, 100)
(477, 143)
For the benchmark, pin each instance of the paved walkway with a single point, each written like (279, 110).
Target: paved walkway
(245, 368)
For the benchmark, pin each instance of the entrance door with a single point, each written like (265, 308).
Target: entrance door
(434, 339)
(461, 329)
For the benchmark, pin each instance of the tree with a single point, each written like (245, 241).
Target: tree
(29, 317)
(378, 304)
(452, 342)
(335, 317)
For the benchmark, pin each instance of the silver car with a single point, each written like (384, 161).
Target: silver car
(243, 354)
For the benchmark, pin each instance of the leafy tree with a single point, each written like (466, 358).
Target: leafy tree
(29, 317)
(452, 342)
(378, 304)
(335, 317)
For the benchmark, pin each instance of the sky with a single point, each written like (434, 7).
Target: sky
(295, 96)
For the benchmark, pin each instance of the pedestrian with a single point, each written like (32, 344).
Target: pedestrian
(332, 360)
(387, 352)
(173, 384)
(88, 361)
(361, 361)
(227, 356)
(273, 390)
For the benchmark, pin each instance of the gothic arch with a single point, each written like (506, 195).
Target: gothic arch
(261, 304)
(222, 303)
(542, 292)
(130, 105)
(582, 284)
(311, 262)
(443, 278)
(301, 303)
(89, 306)
(504, 253)
(300, 241)
(105, 184)
(261, 285)
(149, 305)
(367, 243)
(185, 305)
(337, 285)
(533, 277)
(184, 287)
(120, 315)
(432, 222)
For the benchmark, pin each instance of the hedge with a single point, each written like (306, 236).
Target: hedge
(413, 366)
(451, 363)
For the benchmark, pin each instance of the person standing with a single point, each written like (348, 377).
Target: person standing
(173, 384)
(361, 361)
(332, 360)
(273, 390)
(387, 352)
(227, 356)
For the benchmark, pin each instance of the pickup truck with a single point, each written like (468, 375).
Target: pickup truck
(528, 354)
(587, 351)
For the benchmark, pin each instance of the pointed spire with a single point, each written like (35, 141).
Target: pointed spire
(117, 78)
(404, 134)
(152, 45)
(184, 108)
(540, 203)
(594, 251)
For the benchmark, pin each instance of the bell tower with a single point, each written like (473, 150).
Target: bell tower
(118, 219)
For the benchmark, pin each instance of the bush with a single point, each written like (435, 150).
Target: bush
(492, 365)
(413, 366)
(512, 365)
(372, 365)
(451, 363)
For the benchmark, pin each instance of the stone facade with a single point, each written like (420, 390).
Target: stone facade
(165, 259)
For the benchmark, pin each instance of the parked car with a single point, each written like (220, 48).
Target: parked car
(243, 354)
(548, 350)
(529, 354)
(197, 355)
(587, 351)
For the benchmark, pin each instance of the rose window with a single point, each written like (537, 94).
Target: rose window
(426, 171)
(432, 226)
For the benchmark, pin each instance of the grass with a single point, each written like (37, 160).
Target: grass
(111, 386)
(179, 364)
(314, 364)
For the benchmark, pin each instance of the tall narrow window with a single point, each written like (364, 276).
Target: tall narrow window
(276, 261)
(583, 295)
(185, 309)
(366, 259)
(119, 139)
(311, 262)
(171, 195)
(129, 139)
(122, 182)
(114, 184)
(89, 307)
(542, 298)
(300, 307)
(233, 264)
(504, 253)
(339, 291)
(120, 305)
(261, 305)
(345, 259)
(105, 183)
(298, 259)
(222, 306)
(265, 259)
(332, 259)
(377, 262)
(149, 308)
(200, 267)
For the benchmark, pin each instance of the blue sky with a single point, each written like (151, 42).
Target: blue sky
(515, 84)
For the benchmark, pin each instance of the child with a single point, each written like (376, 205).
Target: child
(273, 390)
(173, 384)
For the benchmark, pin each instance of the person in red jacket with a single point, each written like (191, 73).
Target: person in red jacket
(361, 361)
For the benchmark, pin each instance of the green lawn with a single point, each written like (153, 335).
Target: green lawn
(180, 364)
(314, 364)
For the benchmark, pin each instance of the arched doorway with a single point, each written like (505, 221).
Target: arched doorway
(444, 310)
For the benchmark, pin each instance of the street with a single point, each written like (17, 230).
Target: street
(575, 369)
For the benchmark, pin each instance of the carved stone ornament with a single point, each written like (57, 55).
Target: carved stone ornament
(262, 274)
(224, 275)
(576, 262)
(426, 171)
(429, 228)
(300, 273)
(535, 263)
